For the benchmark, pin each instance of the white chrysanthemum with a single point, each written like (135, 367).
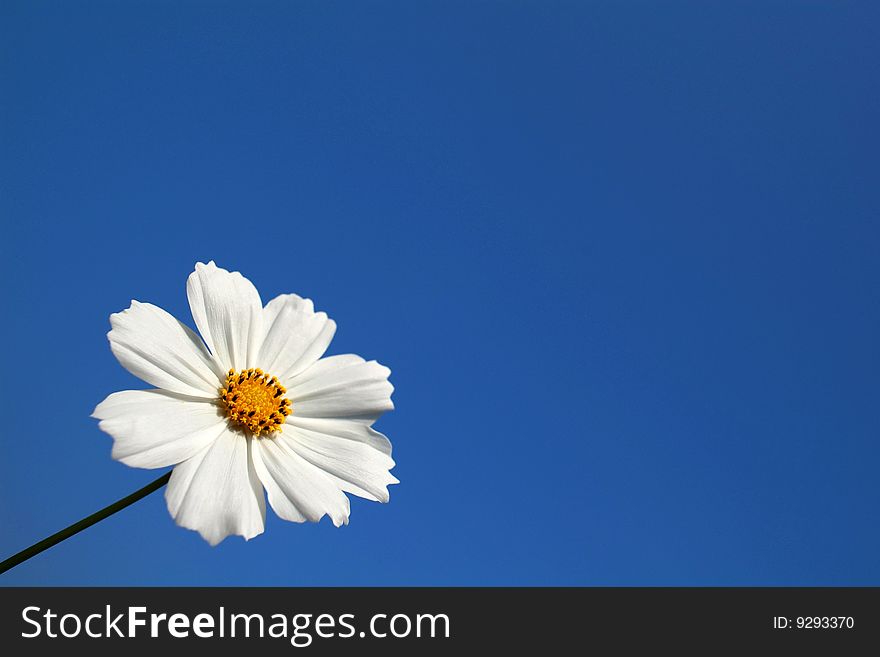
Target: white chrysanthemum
(258, 408)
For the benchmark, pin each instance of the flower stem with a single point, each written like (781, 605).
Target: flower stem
(77, 527)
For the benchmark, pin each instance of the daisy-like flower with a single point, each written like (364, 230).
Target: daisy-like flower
(253, 407)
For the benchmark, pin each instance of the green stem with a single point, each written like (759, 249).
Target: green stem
(77, 527)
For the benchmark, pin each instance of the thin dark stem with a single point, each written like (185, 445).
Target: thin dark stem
(77, 527)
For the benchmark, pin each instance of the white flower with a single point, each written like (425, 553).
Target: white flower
(258, 408)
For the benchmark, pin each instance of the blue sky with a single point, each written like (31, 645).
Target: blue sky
(621, 258)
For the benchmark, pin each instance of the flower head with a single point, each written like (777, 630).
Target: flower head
(253, 407)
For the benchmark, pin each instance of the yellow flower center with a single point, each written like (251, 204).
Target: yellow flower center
(255, 400)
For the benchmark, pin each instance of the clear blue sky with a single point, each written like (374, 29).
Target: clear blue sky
(621, 258)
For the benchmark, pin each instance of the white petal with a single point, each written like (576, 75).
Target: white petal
(343, 429)
(227, 310)
(295, 336)
(342, 387)
(155, 347)
(356, 467)
(297, 490)
(217, 492)
(156, 428)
